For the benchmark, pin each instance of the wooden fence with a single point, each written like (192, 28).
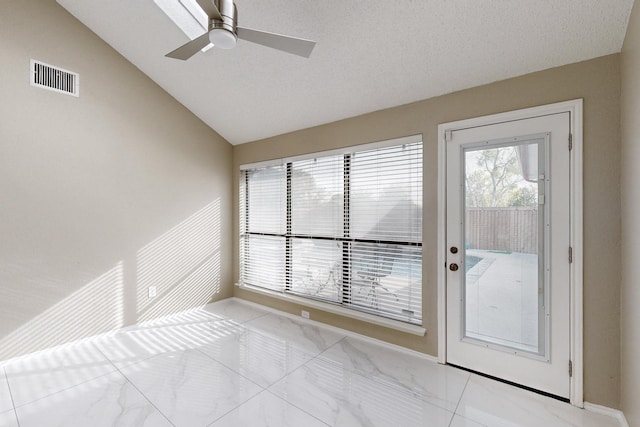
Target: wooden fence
(503, 229)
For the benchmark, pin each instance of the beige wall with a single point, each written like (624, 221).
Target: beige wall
(598, 82)
(630, 189)
(101, 195)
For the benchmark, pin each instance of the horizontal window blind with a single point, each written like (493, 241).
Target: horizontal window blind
(268, 196)
(317, 197)
(263, 197)
(343, 228)
(264, 261)
(386, 194)
(316, 268)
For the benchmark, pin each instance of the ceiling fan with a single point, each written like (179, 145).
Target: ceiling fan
(224, 32)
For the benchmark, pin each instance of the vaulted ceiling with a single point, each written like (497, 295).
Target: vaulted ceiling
(370, 54)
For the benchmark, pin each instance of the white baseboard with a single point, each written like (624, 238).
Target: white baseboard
(599, 409)
(339, 310)
(396, 347)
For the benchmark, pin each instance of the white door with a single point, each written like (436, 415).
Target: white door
(507, 243)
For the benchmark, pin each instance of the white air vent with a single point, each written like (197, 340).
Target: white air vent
(54, 78)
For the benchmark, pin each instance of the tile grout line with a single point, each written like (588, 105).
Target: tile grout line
(268, 337)
(383, 376)
(264, 389)
(353, 372)
(13, 403)
(61, 390)
(399, 388)
(204, 355)
(233, 409)
(295, 406)
(229, 368)
(134, 386)
(455, 411)
(305, 363)
(300, 367)
(268, 389)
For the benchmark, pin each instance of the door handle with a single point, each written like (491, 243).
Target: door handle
(453, 267)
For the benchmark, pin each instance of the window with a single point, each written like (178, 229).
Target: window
(341, 227)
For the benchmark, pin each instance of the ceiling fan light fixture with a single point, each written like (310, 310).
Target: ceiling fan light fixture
(222, 38)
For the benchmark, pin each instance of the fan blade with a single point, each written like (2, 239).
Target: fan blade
(186, 51)
(300, 47)
(210, 9)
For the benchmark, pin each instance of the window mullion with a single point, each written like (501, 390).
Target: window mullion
(288, 248)
(246, 203)
(246, 218)
(346, 246)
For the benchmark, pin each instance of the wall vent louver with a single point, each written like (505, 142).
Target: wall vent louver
(54, 78)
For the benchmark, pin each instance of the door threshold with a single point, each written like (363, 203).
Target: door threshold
(524, 387)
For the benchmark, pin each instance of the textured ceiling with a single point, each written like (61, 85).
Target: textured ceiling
(371, 54)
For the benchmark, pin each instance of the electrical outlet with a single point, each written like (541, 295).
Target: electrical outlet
(304, 314)
(153, 291)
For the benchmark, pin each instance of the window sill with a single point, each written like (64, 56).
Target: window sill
(330, 308)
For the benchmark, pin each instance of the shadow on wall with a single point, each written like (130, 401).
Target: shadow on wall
(94, 308)
(183, 264)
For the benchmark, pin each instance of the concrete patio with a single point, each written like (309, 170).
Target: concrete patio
(502, 298)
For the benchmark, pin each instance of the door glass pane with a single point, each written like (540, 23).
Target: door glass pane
(504, 286)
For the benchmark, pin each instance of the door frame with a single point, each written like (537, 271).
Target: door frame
(574, 108)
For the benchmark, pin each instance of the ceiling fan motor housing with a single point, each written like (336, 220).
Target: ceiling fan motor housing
(229, 12)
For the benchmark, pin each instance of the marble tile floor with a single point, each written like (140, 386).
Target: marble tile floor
(232, 363)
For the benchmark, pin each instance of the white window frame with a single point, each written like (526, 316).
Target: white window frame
(327, 306)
